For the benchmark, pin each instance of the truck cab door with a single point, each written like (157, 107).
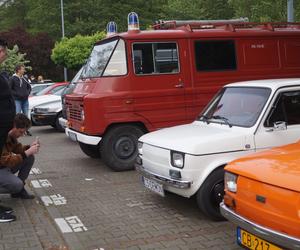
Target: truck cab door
(281, 124)
(158, 82)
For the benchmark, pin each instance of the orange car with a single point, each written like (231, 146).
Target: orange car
(262, 196)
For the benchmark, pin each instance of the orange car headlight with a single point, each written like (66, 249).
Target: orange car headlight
(230, 180)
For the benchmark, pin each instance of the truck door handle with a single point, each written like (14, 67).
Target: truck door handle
(179, 85)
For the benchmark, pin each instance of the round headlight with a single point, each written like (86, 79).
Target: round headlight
(230, 180)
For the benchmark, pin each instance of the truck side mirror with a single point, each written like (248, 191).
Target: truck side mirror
(280, 125)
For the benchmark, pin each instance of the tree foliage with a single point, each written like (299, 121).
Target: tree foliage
(83, 18)
(38, 50)
(14, 57)
(73, 52)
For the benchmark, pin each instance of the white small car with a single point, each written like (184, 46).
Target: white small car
(48, 114)
(242, 118)
(38, 100)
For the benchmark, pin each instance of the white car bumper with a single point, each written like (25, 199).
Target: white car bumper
(87, 139)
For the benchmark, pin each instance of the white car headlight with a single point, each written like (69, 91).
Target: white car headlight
(140, 147)
(230, 180)
(177, 159)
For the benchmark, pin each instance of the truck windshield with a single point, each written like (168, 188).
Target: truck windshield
(98, 59)
(236, 106)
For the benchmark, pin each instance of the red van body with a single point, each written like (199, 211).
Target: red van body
(140, 81)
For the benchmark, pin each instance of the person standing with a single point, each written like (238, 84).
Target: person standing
(40, 79)
(7, 114)
(21, 89)
(32, 79)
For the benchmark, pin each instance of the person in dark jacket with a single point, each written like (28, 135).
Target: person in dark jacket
(7, 114)
(20, 88)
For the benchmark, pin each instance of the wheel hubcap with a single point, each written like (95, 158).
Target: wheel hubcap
(218, 192)
(125, 147)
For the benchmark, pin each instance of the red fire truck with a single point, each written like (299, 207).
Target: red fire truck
(140, 81)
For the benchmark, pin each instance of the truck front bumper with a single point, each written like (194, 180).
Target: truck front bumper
(63, 122)
(165, 181)
(86, 139)
(268, 234)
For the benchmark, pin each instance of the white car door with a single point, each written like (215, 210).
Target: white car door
(284, 111)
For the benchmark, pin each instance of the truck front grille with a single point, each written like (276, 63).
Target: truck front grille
(74, 111)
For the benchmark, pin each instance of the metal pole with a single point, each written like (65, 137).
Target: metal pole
(290, 10)
(63, 34)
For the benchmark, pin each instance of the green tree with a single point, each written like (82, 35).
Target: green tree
(264, 10)
(14, 58)
(81, 17)
(199, 9)
(12, 14)
(73, 52)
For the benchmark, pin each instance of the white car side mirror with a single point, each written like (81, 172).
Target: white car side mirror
(280, 125)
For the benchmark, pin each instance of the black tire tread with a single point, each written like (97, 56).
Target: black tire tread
(203, 195)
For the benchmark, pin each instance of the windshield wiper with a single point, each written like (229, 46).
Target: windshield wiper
(218, 117)
(203, 118)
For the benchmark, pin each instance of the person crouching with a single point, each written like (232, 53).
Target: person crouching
(17, 158)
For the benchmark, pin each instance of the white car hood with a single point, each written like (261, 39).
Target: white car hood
(38, 100)
(54, 105)
(200, 138)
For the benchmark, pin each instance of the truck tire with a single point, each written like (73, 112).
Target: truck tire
(58, 127)
(90, 150)
(119, 147)
(210, 195)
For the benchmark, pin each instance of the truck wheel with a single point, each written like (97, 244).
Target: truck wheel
(58, 127)
(119, 147)
(90, 150)
(210, 195)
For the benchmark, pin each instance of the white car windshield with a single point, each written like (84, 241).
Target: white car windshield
(236, 106)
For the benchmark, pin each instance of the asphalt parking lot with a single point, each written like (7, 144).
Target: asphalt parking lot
(82, 204)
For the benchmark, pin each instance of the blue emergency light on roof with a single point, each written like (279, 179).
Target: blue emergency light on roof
(111, 28)
(133, 21)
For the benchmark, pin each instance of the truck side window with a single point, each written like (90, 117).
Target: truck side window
(287, 108)
(215, 55)
(155, 58)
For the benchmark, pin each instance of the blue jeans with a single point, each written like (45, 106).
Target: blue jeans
(22, 107)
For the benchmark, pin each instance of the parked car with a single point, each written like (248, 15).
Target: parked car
(263, 198)
(43, 99)
(48, 114)
(242, 118)
(35, 88)
(52, 88)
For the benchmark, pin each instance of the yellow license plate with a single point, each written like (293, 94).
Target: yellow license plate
(253, 242)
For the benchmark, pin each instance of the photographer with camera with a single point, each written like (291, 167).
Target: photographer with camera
(17, 158)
